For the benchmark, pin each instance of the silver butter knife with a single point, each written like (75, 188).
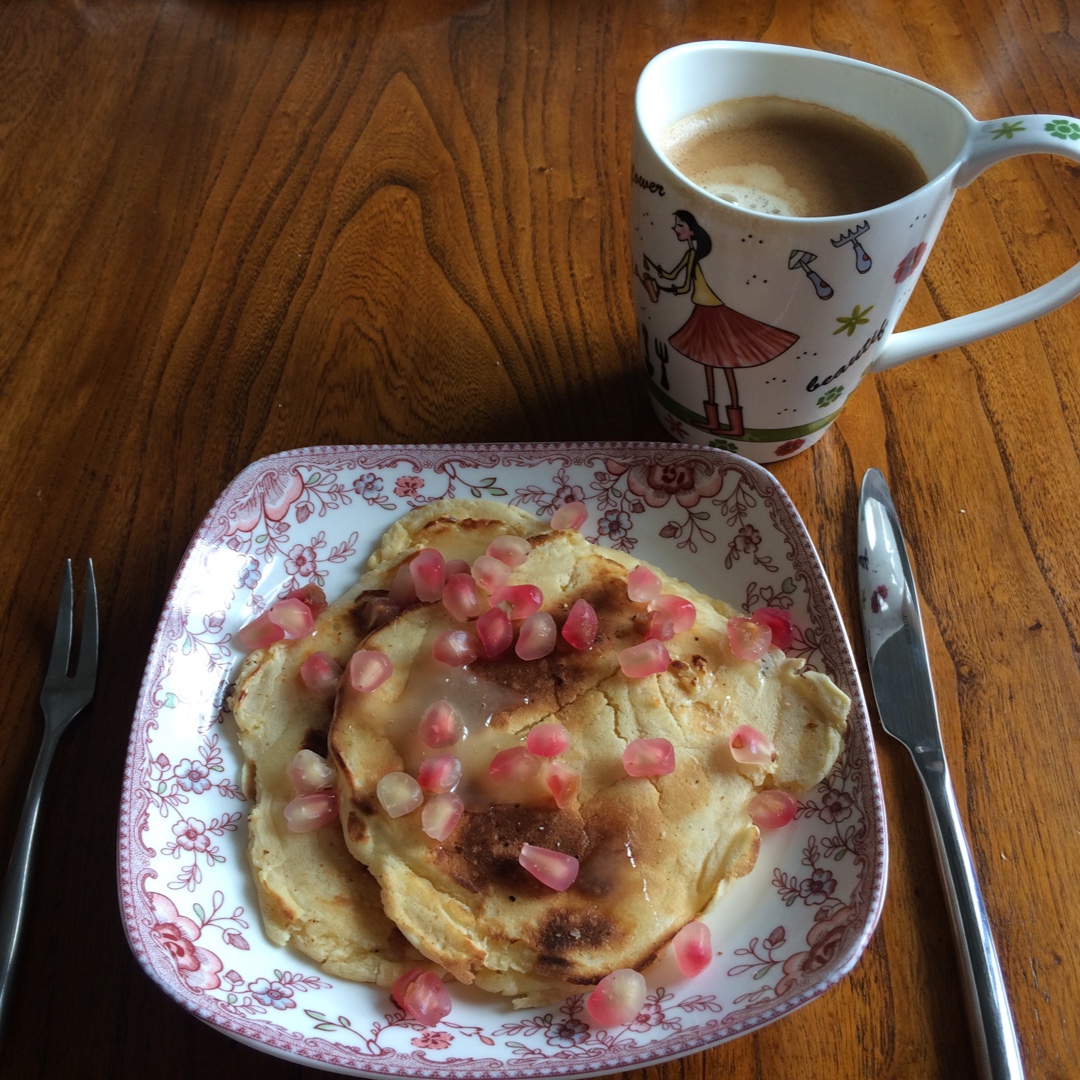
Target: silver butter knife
(904, 691)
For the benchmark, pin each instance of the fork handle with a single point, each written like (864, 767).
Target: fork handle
(17, 883)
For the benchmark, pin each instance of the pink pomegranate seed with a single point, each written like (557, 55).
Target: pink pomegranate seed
(515, 765)
(260, 633)
(402, 590)
(495, 632)
(547, 740)
(369, 669)
(320, 673)
(563, 781)
(512, 550)
(439, 773)
(649, 757)
(441, 814)
(693, 948)
(571, 515)
(618, 998)
(772, 809)
(457, 566)
(306, 813)
(647, 657)
(398, 793)
(310, 772)
(661, 627)
(750, 747)
(460, 598)
(779, 622)
(441, 725)
(581, 625)
(456, 648)
(312, 595)
(551, 868)
(423, 997)
(749, 640)
(519, 601)
(490, 573)
(428, 572)
(681, 612)
(537, 635)
(642, 585)
(293, 616)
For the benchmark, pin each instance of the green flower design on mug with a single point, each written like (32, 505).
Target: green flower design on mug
(723, 444)
(1064, 129)
(1008, 129)
(829, 396)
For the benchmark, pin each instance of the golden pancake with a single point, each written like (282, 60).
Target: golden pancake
(654, 852)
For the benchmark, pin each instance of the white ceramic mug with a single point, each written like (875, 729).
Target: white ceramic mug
(824, 293)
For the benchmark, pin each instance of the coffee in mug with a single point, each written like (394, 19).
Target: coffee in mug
(781, 156)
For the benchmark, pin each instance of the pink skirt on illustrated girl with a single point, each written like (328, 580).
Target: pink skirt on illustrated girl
(722, 337)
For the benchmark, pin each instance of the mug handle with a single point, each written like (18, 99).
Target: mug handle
(994, 141)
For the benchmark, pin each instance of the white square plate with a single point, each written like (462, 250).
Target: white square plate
(784, 934)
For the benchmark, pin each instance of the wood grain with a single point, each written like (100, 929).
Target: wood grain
(230, 229)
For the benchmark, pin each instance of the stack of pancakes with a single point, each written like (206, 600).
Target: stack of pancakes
(377, 896)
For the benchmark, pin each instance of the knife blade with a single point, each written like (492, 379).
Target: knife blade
(904, 691)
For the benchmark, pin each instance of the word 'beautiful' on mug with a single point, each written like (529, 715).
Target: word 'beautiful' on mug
(783, 204)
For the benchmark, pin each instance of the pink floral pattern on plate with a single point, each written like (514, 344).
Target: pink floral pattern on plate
(783, 935)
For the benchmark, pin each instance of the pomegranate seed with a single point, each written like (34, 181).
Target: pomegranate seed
(779, 622)
(320, 673)
(642, 585)
(260, 633)
(515, 764)
(310, 772)
(681, 612)
(536, 638)
(428, 571)
(306, 813)
(441, 814)
(581, 625)
(399, 794)
(490, 573)
(423, 997)
(563, 781)
(571, 515)
(495, 632)
(661, 627)
(441, 725)
(647, 657)
(693, 948)
(369, 669)
(460, 598)
(519, 601)
(512, 550)
(402, 590)
(617, 999)
(457, 566)
(312, 595)
(293, 616)
(551, 868)
(772, 809)
(439, 773)
(649, 757)
(456, 648)
(749, 640)
(547, 740)
(750, 747)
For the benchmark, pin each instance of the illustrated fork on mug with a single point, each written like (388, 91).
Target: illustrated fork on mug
(63, 697)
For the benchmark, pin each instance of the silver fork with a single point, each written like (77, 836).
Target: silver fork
(63, 697)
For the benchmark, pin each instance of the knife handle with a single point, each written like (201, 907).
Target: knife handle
(996, 1045)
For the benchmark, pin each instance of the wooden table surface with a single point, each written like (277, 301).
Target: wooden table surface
(234, 228)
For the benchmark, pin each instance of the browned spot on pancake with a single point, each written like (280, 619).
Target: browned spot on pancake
(357, 826)
(482, 853)
(371, 610)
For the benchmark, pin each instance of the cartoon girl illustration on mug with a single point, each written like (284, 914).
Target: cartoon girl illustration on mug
(715, 335)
